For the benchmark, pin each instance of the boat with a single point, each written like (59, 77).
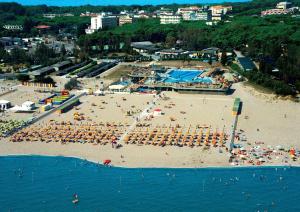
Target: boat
(75, 199)
(106, 162)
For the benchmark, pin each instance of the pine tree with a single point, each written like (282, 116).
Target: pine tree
(223, 58)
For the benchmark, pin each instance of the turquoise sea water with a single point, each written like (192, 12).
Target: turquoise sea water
(116, 2)
(36, 183)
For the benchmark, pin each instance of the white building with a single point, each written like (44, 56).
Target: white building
(170, 19)
(275, 12)
(197, 16)
(100, 22)
(126, 19)
(219, 9)
(164, 11)
(217, 17)
(284, 5)
(188, 10)
(13, 27)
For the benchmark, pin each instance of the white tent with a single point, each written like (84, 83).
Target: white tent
(117, 88)
(26, 107)
(99, 92)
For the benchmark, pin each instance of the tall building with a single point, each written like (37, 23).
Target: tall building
(100, 22)
(170, 19)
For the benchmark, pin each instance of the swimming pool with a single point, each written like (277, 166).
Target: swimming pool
(186, 76)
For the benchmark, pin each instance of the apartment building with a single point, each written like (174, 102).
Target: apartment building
(170, 19)
(100, 22)
(126, 19)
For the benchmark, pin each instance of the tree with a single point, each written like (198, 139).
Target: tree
(224, 58)
(27, 25)
(43, 54)
(63, 51)
(210, 61)
(170, 40)
(23, 77)
(18, 56)
(297, 84)
(72, 84)
(45, 79)
(4, 56)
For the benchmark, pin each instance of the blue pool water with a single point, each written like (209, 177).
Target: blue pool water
(115, 2)
(36, 183)
(186, 76)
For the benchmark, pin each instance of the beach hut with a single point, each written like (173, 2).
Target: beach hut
(4, 105)
(157, 112)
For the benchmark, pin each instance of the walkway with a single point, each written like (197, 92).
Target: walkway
(233, 129)
(138, 118)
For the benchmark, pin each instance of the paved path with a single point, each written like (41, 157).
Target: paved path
(232, 134)
(138, 118)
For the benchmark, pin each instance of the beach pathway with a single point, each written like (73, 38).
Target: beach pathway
(139, 117)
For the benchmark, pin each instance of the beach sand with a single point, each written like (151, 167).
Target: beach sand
(277, 120)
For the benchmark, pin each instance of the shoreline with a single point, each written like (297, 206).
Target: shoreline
(101, 154)
(155, 167)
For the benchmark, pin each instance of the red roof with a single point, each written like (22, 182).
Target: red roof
(42, 27)
(157, 110)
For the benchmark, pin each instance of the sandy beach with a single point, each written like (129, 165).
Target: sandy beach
(279, 128)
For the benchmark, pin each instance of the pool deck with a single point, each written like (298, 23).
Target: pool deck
(186, 89)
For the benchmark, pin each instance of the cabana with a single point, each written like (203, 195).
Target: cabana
(99, 93)
(4, 105)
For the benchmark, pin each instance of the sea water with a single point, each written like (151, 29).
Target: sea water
(116, 2)
(37, 183)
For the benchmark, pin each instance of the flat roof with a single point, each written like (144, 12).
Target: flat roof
(42, 71)
(60, 64)
(4, 101)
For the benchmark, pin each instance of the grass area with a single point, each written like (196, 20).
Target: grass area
(122, 71)
(236, 68)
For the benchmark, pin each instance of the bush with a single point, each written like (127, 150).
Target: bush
(43, 79)
(279, 87)
(72, 84)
